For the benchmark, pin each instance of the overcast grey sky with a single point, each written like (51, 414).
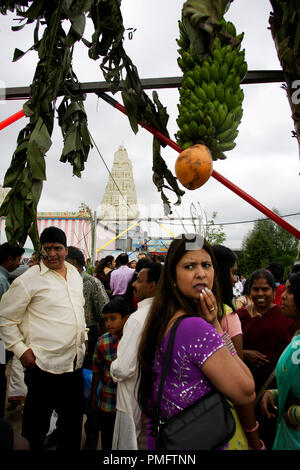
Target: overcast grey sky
(265, 162)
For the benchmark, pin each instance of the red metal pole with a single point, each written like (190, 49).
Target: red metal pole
(285, 225)
(11, 119)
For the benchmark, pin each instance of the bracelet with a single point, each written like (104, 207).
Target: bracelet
(229, 344)
(263, 447)
(294, 415)
(255, 428)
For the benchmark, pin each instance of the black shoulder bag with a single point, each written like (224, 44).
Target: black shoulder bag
(207, 424)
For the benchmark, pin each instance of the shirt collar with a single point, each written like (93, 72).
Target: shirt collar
(145, 302)
(45, 269)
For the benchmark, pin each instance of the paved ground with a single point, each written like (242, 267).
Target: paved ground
(15, 417)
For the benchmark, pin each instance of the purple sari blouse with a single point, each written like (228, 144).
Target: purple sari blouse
(195, 341)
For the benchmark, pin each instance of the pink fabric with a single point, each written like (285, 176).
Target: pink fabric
(119, 279)
(231, 324)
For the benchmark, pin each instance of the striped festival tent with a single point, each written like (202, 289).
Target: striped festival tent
(78, 229)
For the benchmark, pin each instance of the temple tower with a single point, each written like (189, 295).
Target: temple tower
(115, 206)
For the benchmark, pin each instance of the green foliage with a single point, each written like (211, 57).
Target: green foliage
(214, 235)
(265, 243)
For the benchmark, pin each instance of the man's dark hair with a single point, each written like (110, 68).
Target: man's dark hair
(277, 270)
(141, 263)
(7, 250)
(117, 306)
(123, 259)
(77, 255)
(53, 235)
(154, 271)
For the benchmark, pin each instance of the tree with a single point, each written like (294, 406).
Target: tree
(214, 235)
(265, 243)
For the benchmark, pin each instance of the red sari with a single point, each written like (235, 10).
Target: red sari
(269, 334)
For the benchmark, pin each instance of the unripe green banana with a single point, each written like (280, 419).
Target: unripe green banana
(243, 71)
(229, 58)
(225, 146)
(211, 91)
(217, 43)
(229, 98)
(224, 70)
(229, 79)
(227, 123)
(208, 121)
(220, 92)
(186, 145)
(223, 111)
(205, 74)
(189, 83)
(214, 115)
(236, 83)
(197, 76)
(238, 112)
(225, 135)
(201, 95)
(201, 130)
(181, 64)
(205, 89)
(230, 28)
(187, 131)
(215, 72)
(218, 56)
(194, 128)
(188, 60)
(199, 115)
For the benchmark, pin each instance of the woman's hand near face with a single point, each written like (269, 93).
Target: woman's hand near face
(208, 309)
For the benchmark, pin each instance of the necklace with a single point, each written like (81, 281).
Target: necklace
(253, 312)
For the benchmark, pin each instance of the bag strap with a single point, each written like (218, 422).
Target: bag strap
(265, 386)
(167, 361)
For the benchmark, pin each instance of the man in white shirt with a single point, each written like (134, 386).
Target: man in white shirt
(42, 322)
(124, 369)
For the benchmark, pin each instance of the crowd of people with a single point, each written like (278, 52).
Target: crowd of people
(87, 350)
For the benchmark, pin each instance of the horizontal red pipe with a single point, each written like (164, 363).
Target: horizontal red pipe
(11, 119)
(282, 223)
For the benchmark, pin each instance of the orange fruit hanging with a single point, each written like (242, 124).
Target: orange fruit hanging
(194, 166)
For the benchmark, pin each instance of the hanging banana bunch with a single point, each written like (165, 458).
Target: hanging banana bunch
(210, 107)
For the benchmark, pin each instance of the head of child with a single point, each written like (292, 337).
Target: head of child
(115, 313)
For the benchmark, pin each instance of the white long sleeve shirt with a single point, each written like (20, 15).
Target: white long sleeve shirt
(44, 311)
(124, 371)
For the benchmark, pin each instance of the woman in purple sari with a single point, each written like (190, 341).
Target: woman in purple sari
(203, 356)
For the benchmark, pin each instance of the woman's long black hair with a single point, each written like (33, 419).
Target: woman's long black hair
(226, 258)
(294, 279)
(167, 301)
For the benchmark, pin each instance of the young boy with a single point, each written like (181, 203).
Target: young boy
(115, 314)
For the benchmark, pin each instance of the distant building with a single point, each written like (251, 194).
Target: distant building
(119, 201)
